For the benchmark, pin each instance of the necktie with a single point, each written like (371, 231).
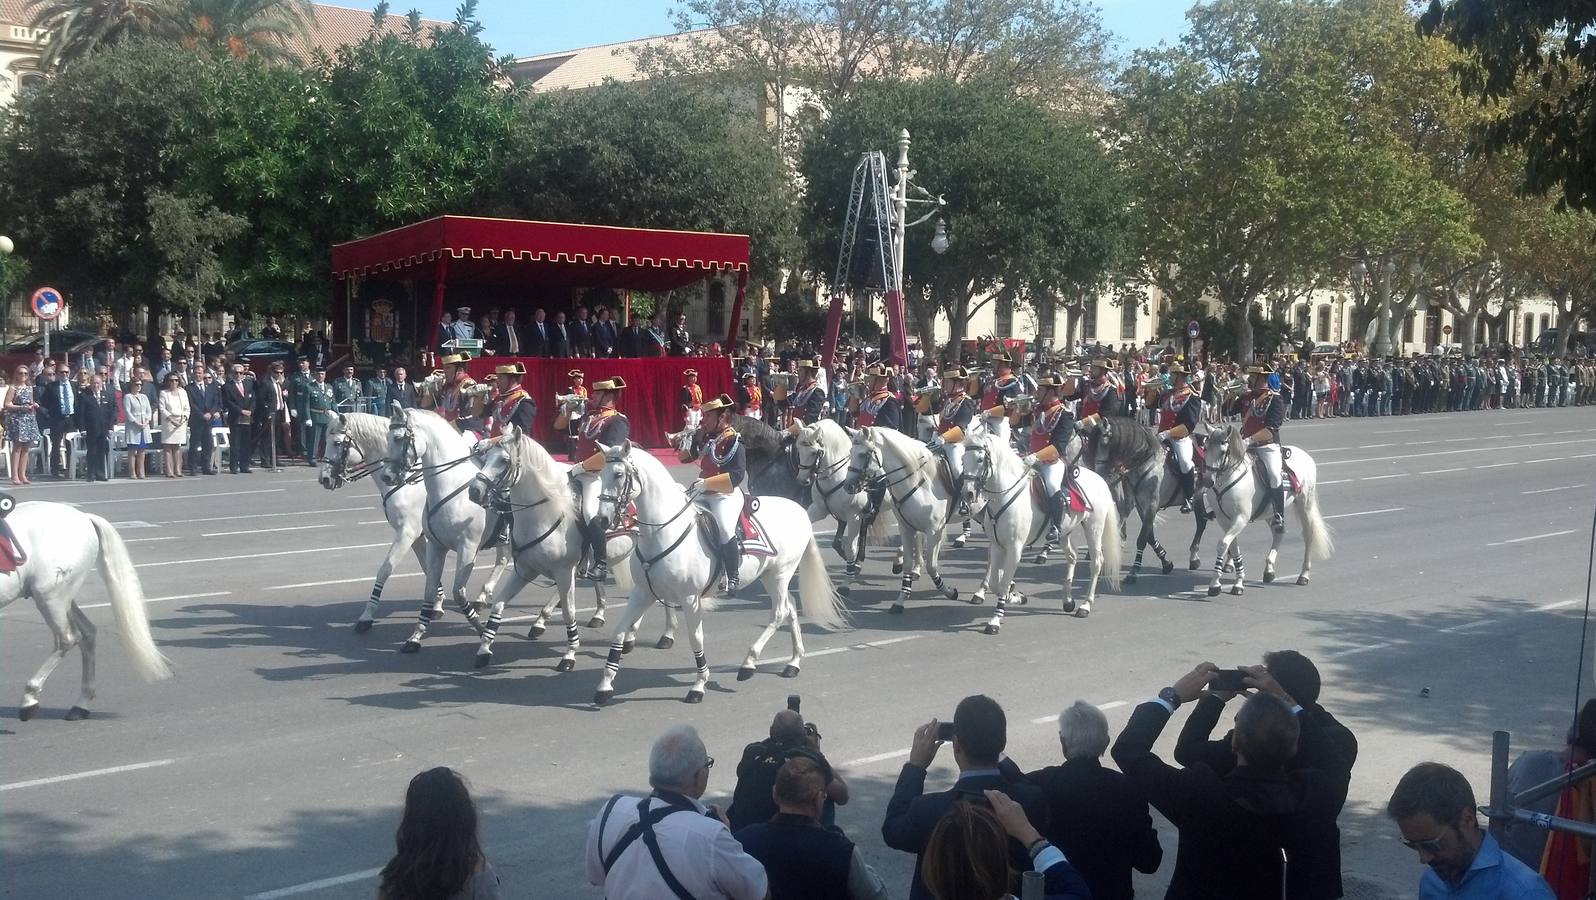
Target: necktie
(515, 346)
(66, 399)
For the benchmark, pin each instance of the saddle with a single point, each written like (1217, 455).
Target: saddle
(749, 531)
(1077, 499)
(627, 524)
(1287, 477)
(12, 555)
(1199, 461)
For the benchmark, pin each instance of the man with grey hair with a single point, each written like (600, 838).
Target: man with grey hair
(669, 844)
(1095, 815)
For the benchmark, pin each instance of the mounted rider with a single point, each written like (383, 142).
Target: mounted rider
(608, 426)
(722, 470)
(576, 416)
(515, 406)
(1003, 390)
(1052, 427)
(692, 401)
(1099, 397)
(807, 404)
(879, 409)
(957, 411)
(1179, 411)
(462, 401)
(1263, 413)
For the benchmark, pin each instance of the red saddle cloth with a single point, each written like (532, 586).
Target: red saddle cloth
(754, 541)
(11, 553)
(1077, 499)
(1286, 475)
(627, 524)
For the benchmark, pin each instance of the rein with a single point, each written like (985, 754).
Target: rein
(816, 480)
(626, 494)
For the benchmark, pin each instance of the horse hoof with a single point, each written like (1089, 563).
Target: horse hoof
(953, 594)
(790, 672)
(1130, 578)
(1302, 579)
(1069, 605)
(745, 673)
(1020, 599)
(1269, 578)
(1213, 590)
(628, 644)
(896, 609)
(897, 568)
(1040, 559)
(603, 698)
(694, 696)
(482, 660)
(596, 622)
(76, 713)
(977, 599)
(664, 643)
(26, 712)
(990, 629)
(535, 632)
(1082, 611)
(1191, 566)
(565, 665)
(362, 626)
(1168, 567)
(1236, 590)
(958, 543)
(411, 646)
(851, 570)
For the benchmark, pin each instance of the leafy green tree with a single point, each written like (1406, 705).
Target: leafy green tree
(79, 27)
(240, 28)
(186, 232)
(1035, 206)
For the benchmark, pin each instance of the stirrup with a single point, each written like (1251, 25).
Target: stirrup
(1185, 505)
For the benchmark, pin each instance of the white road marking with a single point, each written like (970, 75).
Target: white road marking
(1367, 512)
(1395, 431)
(57, 779)
(156, 498)
(1378, 446)
(1342, 462)
(1444, 471)
(1533, 537)
(306, 584)
(1378, 477)
(867, 760)
(1583, 456)
(1478, 623)
(309, 886)
(1496, 465)
(867, 645)
(374, 522)
(366, 508)
(15, 613)
(1364, 649)
(1558, 605)
(1338, 481)
(147, 540)
(1529, 462)
(209, 559)
(267, 530)
(1566, 487)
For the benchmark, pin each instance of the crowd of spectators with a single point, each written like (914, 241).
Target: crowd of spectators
(584, 334)
(1255, 813)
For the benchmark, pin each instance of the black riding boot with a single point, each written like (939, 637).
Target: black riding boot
(1278, 499)
(1056, 505)
(499, 522)
(597, 530)
(1188, 490)
(731, 555)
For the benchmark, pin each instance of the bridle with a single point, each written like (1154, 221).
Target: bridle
(338, 468)
(859, 474)
(407, 468)
(984, 474)
(627, 489)
(817, 469)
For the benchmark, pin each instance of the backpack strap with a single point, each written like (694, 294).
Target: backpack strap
(644, 828)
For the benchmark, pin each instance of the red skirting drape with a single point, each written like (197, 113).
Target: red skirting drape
(651, 401)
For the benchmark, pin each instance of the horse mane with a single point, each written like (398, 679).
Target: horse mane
(436, 428)
(368, 432)
(901, 443)
(549, 475)
(1131, 442)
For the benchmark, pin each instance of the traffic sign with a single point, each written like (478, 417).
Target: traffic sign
(1194, 328)
(47, 303)
(1446, 329)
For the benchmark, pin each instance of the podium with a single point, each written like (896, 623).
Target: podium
(471, 347)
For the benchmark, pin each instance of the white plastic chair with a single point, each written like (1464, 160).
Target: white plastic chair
(219, 443)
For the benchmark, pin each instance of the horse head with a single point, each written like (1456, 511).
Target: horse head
(811, 454)
(864, 461)
(341, 452)
(618, 481)
(498, 466)
(1223, 448)
(404, 452)
(977, 468)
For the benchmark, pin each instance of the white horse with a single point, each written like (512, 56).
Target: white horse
(356, 446)
(823, 451)
(1241, 496)
(1014, 516)
(544, 537)
(677, 562)
(919, 491)
(60, 545)
(423, 447)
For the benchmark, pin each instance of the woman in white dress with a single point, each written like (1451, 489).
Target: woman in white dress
(140, 422)
(174, 425)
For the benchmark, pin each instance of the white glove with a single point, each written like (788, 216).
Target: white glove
(1163, 435)
(936, 442)
(697, 487)
(293, 413)
(1030, 460)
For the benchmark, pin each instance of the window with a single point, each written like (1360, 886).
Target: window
(1089, 319)
(28, 83)
(1302, 318)
(1127, 319)
(1529, 330)
(1324, 324)
(1407, 327)
(1003, 318)
(1046, 313)
(1546, 322)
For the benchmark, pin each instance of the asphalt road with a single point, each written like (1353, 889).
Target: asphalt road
(275, 764)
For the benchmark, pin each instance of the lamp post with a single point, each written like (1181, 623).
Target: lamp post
(900, 227)
(6, 248)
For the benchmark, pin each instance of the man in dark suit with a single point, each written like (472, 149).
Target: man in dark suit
(1093, 813)
(507, 340)
(1299, 677)
(580, 331)
(238, 406)
(537, 334)
(605, 334)
(559, 338)
(630, 345)
(980, 732)
(1237, 831)
(58, 408)
(97, 408)
(271, 412)
(401, 390)
(654, 339)
(204, 413)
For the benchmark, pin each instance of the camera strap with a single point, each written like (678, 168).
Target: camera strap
(644, 828)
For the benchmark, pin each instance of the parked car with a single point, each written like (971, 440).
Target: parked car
(259, 354)
(65, 341)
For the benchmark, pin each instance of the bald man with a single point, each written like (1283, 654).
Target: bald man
(756, 773)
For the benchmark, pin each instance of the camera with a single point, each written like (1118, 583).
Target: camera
(944, 731)
(793, 701)
(1228, 680)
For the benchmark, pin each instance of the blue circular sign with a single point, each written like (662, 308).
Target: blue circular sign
(47, 303)
(1194, 328)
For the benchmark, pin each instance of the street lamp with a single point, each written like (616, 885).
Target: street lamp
(939, 240)
(900, 226)
(6, 248)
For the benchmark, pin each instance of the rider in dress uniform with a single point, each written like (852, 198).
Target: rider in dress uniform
(1099, 397)
(604, 425)
(807, 404)
(1179, 411)
(1003, 390)
(957, 410)
(1264, 413)
(573, 423)
(722, 470)
(515, 406)
(750, 396)
(462, 401)
(1052, 426)
(692, 400)
(879, 409)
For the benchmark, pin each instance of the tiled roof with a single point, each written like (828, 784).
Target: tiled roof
(15, 12)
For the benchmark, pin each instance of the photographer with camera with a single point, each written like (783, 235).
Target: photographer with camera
(1250, 834)
(790, 736)
(1298, 677)
(803, 858)
(979, 732)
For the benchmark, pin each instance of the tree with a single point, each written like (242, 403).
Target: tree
(79, 27)
(240, 28)
(1556, 257)
(1536, 60)
(186, 232)
(1035, 206)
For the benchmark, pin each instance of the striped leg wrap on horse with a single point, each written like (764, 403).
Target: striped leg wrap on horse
(701, 662)
(492, 629)
(1158, 549)
(376, 592)
(571, 637)
(612, 663)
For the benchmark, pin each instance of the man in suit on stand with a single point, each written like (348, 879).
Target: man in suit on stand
(580, 331)
(507, 340)
(537, 335)
(271, 414)
(97, 408)
(559, 338)
(58, 407)
(204, 414)
(605, 335)
(631, 341)
(238, 405)
(400, 389)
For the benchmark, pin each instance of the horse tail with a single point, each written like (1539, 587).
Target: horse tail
(1320, 539)
(815, 591)
(1113, 551)
(127, 603)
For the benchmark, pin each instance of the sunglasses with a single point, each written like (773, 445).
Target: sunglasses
(1431, 846)
(709, 762)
